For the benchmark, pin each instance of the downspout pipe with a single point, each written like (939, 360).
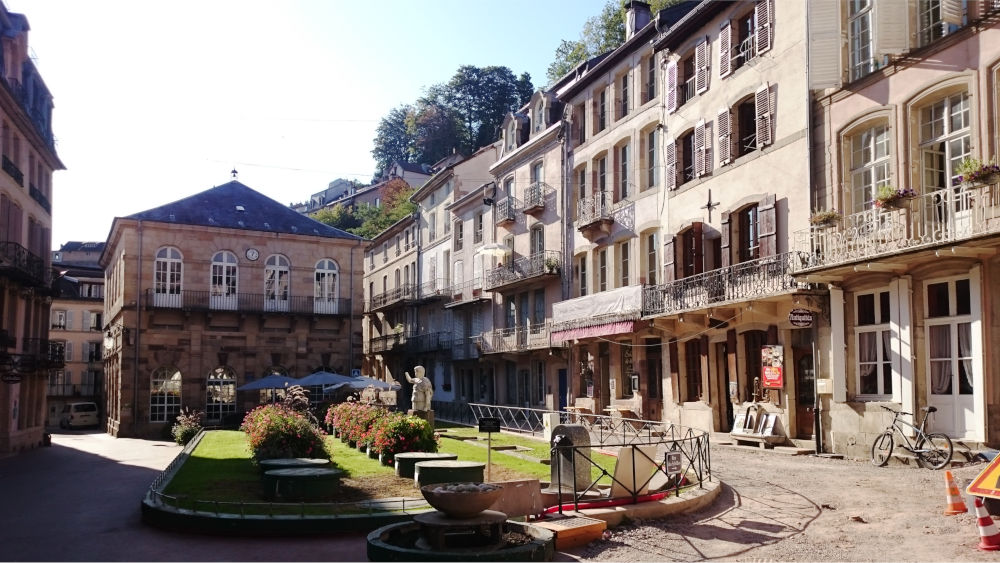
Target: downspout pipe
(138, 332)
(811, 176)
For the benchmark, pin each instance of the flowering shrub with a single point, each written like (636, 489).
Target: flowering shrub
(975, 171)
(888, 195)
(275, 431)
(188, 425)
(824, 217)
(354, 420)
(397, 433)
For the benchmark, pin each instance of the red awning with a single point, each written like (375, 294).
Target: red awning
(592, 331)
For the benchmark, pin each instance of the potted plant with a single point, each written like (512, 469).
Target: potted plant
(888, 196)
(824, 218)
(974, 171)
(551, 265)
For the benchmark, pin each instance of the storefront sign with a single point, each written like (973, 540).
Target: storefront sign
(802, 318)
(771, 363)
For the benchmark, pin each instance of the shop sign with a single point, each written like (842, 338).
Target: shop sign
(771, 362)
(802, 318)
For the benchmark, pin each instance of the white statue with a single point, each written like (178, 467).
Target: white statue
(422, 389)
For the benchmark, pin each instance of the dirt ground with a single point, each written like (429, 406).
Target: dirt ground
(775, 507)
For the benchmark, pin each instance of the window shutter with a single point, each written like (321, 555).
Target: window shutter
(699, 247)
(951, 11)
(723, 124)
(699, 148)
(670, 164)
(69, 349)
(86, 320)
(892, 34)
(669, 259)
(69, 320)
(824, 44)
(762, 107)
(672, 86)
(725, 48)
(725, 260)
(701, 57)
(763, 32)
(767, 225)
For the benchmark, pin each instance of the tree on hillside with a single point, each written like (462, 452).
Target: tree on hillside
(337, 216)
(374, 220)
(436, 129)
(392, 139)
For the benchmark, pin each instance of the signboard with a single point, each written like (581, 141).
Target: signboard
(801, 318)
(489, 424)
(734, 390)
(673, 461)
(772, 358)
(987, 483)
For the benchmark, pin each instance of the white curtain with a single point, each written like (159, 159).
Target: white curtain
(868, 363)
(965, 358)
(939, 341)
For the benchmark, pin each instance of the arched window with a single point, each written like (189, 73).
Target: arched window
(870, 153)
(327, 287)
(164, 394)
(168, 276)
(224, 281)
(220, 393)
(276, 274)
(945, 140)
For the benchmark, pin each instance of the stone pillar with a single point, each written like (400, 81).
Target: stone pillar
(562, 467)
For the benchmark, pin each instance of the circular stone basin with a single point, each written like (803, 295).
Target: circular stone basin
(290, 462)
(457, 503)
(522, 542)
(301, 483)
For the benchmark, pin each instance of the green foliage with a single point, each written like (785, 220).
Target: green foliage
(187, 426)
(436, 130)
(392, 139)
(395, 432)
(354, 420)
(276, 431)
(337, 216)
(373, 220)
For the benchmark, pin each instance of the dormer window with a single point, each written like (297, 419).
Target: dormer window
(539, 118)
(512, 135)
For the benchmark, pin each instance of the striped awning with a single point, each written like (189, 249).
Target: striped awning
(595, 330)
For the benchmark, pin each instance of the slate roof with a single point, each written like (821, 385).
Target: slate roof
(73, 246)
(236, 206)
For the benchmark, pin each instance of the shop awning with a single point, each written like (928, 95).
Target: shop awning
(592, 331)
(599, 314)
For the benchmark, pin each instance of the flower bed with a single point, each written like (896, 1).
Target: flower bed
(275, 431)
(354, 421)
(396, 433)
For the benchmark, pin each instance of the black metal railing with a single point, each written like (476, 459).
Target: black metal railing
(191, 300)
(453, 412)
(741, 282)
(385, 343)
(12, 170)
(505, 208)
(37, 195)
(594, 209)
(534, 196)
(464, 348)
(428, 342)
(50, 354)
(404, 292)
(465, 292)
(17, 261)
(524, 268)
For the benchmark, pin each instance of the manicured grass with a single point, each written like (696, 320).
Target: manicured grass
(218, 469)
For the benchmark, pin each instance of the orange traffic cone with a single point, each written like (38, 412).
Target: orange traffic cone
(955, 503)
(989, 537)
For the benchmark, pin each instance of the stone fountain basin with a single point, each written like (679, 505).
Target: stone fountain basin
(460, 504)
(397, 542)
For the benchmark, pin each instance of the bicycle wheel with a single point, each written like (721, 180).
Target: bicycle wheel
(882, 449)
(934, 451)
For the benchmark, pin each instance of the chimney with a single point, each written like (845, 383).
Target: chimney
(637, 15)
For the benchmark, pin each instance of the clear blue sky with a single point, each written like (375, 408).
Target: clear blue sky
(157, 101)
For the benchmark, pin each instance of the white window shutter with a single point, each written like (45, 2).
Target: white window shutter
(670, 163)
(69, 351)
(762, 103)
(69, 320)
(763, 36)
(725, 49)
(86, 320)
(702, 54)
(707, 150)
(724, 126)
(672, 86)
(951, 11)
(825, 45)
(892, 33)
(699, 148)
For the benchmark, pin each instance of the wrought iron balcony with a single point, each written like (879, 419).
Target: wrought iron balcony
(545, 263)
(942, 217)
(468, 292)
(517, 339)
(12, 170)
(189, 300)
(595, 214)
(385, 343)
(465, 348)
(37, 195)
(755, 279)
(505, 208)
(428, 342)
(19, 263)
(405, 292)
(534, 197)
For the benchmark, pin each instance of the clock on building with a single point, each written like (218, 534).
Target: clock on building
(252, 254)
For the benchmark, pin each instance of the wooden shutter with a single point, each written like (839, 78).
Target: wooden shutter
(698, 258)
(951, 11)
(699, 148)
(702, 54)
(669, 259)
(86, 320)
(767, 226)
(824, 43)
(672, 86)
(725, 49)
(69, 323)
(891, 23)
(670, 164)
(724, 243)
(68, 351)
(762, 106)
(763, 33)
(724, 125)
(675, 372)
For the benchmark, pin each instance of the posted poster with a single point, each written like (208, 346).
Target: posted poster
(771, 360)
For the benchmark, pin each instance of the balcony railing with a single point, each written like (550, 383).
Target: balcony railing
(12, 170)
(505, 209)
(428, 342)
(933, 219)
(466, 292)
(18, 262)
(385, 343)
(50, 354)
(405, 292)
(37, 195)
(744, 51)
(595, 209)
(686, 90)
(534, 196)
(755, 279)
(189, 300)
(525, 268)
(465, 348)
(518, 339)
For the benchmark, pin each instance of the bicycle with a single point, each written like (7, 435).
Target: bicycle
(933, 451)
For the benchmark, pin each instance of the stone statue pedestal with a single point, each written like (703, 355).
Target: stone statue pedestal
(426, 415)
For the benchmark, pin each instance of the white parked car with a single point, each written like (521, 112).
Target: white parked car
(75, 415)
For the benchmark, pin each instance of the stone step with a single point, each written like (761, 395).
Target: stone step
(791, 450)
